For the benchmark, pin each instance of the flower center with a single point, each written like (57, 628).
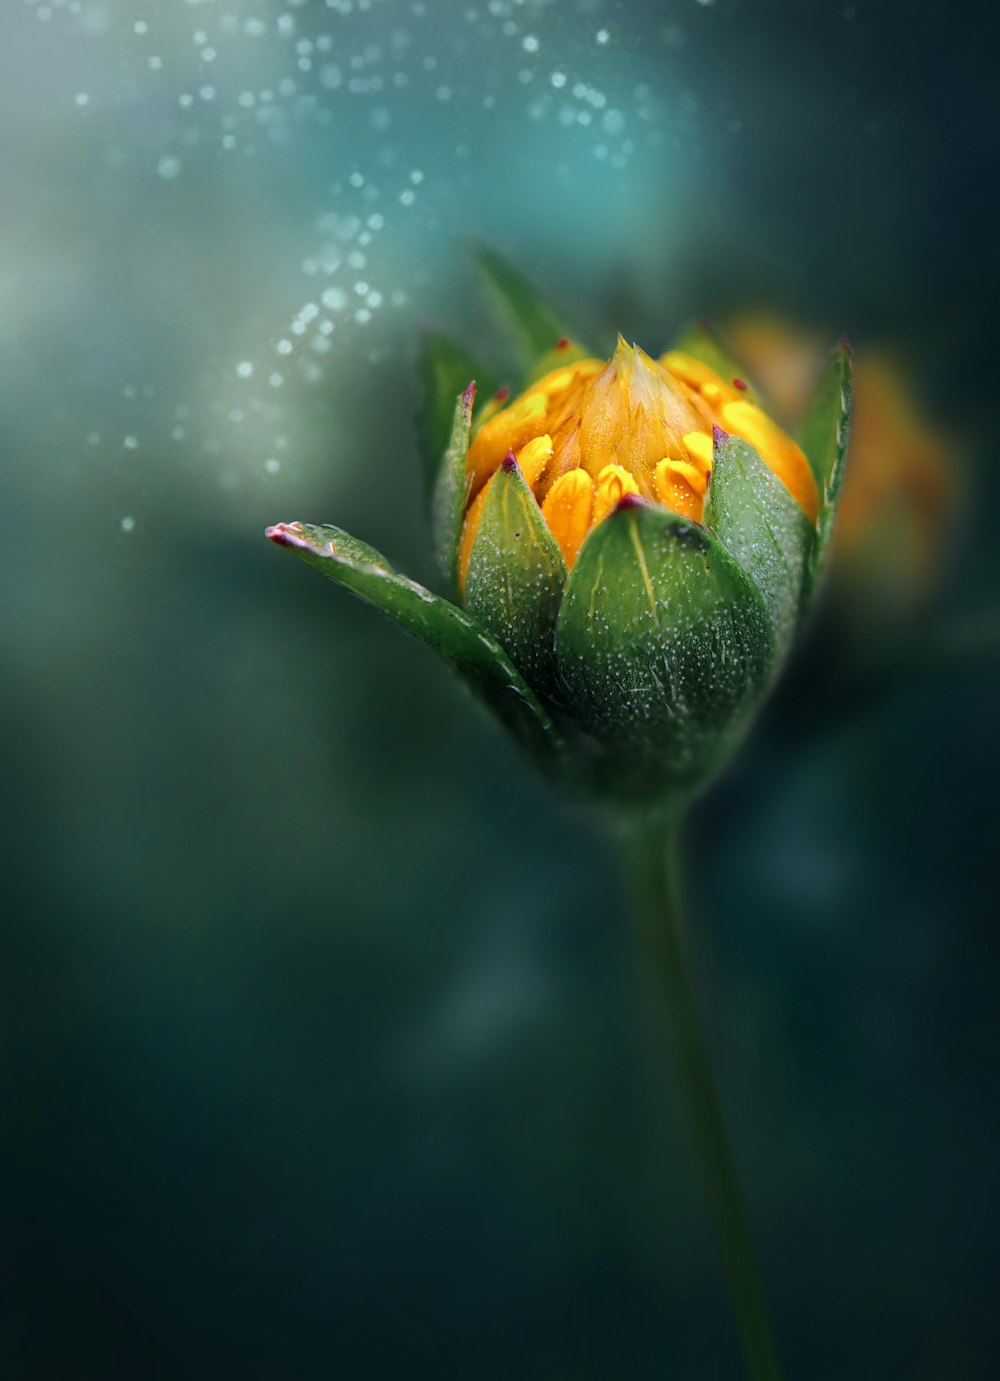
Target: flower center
(588, 434)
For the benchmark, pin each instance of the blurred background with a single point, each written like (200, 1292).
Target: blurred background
(324, 1050)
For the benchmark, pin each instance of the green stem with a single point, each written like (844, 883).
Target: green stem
(656, 875)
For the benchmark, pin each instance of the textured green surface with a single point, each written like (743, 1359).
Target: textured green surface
(451, 632)
(450, 489)
(516, 576)
(534, 321)
(445, 370)
(762, 526)
(824, 437)
(704, 342)
(663, 646)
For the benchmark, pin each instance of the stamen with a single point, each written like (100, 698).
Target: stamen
(568, 509)
(613, 483)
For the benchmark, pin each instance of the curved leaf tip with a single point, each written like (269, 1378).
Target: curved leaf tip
(286, 534)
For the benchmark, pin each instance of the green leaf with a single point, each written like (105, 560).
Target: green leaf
(451, 490)
(445, 369)
(516, 575)
(760, 524)
(704, 342)
(453, 634)
(664, 648)
(536, 323)
(823, 436)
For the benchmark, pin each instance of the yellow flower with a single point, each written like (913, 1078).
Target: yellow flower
(588, 434)
(634, 543)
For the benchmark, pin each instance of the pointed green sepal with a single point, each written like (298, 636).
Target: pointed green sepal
(451, 489)
(703, 341)
(823, 436)
(516, 575)
(535, 323)
(453, 634)
(762, 526)
(664, 647)
(445, 370)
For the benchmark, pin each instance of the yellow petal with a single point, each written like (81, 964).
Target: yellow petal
(568, 509)
(777, 449)
(613, 483)
(569, 374)
(691, 474)
(698, 446)
(674, 490)
(508, 431)
(490, 408)
(533, 459)
(469, 529)
(692, 371)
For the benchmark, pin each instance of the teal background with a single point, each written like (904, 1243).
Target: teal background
(325, 1050)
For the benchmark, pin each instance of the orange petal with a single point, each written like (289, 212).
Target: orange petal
(568, 509)
(613, 483)
(674, 490)
(776, 449)
(533, 459)
(698, 446)
(511, 429)
(469, 529)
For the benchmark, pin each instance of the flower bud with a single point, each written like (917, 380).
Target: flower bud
(632, 540)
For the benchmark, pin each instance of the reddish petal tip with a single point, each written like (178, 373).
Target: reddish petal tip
(509, 463)
(563, 343)
(740, 384)
(718, 435)
(469, 394)
(630, 501)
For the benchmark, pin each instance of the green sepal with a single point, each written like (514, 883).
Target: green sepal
(534, 321)
(664, 648)
(451, 489)
(824, 436)
(452, 633)
(516, 575)
(704, 342)
(445, 369)
(762, 526)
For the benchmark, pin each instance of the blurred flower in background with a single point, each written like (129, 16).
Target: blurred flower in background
(903, 488)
